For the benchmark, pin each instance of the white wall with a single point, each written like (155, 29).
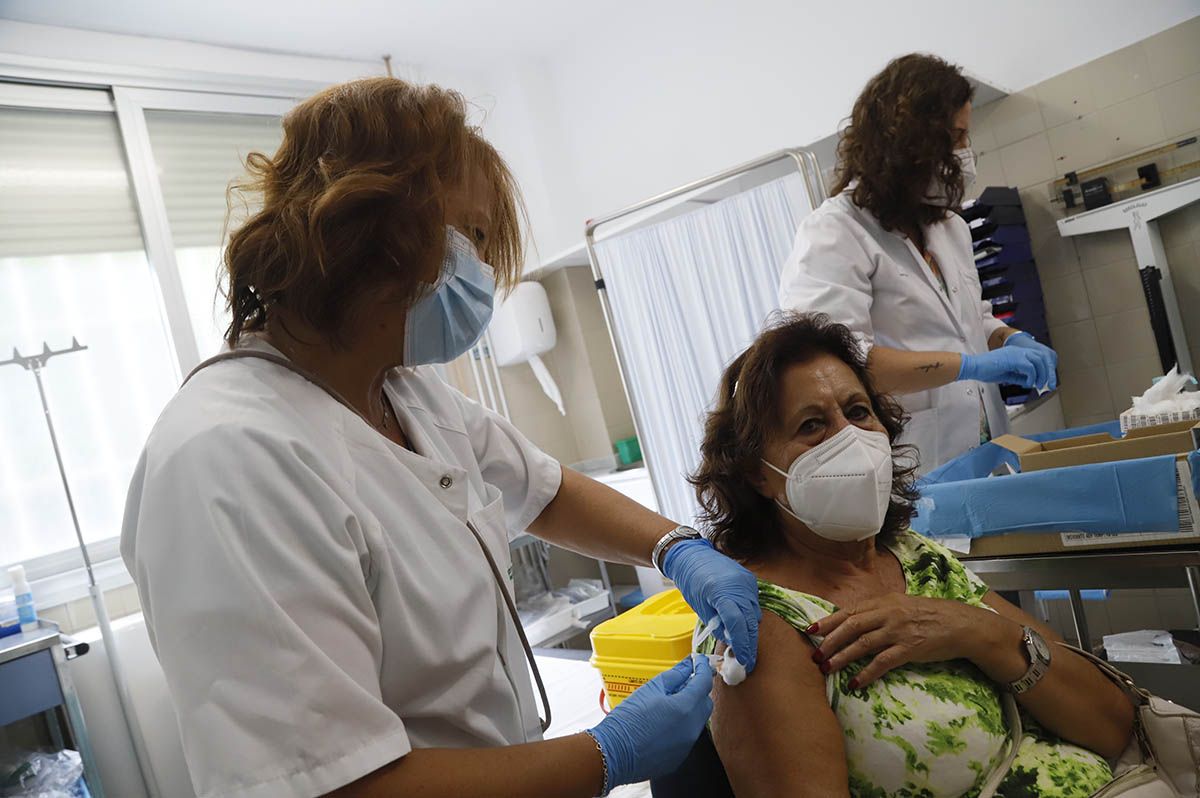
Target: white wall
(651, 101)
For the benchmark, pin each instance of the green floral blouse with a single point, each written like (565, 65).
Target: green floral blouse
(937, 729)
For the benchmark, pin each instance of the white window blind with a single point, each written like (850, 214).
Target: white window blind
(72, 264)
(198, 156)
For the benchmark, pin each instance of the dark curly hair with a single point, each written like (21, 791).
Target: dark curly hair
(899, 140)
(739, 520)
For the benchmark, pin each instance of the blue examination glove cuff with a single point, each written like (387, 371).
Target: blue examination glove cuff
(1015, 338)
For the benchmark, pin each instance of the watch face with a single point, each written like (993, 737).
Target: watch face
(1040, 646)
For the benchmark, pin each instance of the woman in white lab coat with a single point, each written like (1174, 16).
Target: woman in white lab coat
(888, 257)
(319, 526)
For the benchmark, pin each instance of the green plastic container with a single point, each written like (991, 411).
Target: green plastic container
(629, 451)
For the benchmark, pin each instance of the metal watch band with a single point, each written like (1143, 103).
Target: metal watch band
(1038, 664)
(658, 555)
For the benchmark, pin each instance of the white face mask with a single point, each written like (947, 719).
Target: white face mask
(841, 488)
(966, 157)
(936, 193)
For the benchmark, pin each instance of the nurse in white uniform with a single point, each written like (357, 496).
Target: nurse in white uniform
(888, 257)
(319, 526)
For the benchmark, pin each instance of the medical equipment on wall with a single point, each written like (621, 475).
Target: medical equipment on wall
(1140, 215)
(34, 364)
(1088, 189)
(523, 329)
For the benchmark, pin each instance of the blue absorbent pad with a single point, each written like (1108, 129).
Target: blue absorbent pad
(960, 499)
(1086, 595)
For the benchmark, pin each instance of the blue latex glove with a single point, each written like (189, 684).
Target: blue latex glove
(650, 733)
(717, 587)
(1012, 365)
(1024, 340)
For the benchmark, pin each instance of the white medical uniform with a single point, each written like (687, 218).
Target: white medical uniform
(314, 595)
(876, 282)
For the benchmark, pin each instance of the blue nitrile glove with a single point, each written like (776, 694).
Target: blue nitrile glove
(1011, 365)
(1024, 340)
(650, 733)
(717, 587)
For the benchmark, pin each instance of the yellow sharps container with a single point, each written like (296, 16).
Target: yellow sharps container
(637, 645)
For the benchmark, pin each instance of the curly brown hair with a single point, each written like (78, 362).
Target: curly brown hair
(900, 139)
(354, 198)
(739, 520)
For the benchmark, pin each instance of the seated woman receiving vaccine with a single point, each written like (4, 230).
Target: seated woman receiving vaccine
(881, 657)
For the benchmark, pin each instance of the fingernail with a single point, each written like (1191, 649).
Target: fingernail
(818, 657)
(826, 667)
(812, 629)
(853, 684)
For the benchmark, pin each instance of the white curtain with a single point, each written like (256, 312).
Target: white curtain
(688, 295)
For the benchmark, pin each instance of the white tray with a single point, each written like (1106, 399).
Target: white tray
(590, 606)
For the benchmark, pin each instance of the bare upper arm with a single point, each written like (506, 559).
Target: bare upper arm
(775, 732)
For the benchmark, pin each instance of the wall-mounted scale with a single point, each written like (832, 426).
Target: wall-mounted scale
(1139, 215)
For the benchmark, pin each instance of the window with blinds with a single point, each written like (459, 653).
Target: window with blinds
(198, 156)
(72, 264)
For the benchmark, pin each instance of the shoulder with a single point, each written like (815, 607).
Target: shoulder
(797, 609)
(425, 393)
(246, 410)
(956, 228)
(933, 570)
(838, 213)
(834, 234)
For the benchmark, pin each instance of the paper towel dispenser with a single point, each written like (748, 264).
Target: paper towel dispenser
(522, 326)
(522, 330)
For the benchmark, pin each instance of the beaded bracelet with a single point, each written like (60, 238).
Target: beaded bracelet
(605, 787)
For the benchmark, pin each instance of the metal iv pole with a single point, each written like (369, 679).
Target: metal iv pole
(35, 364)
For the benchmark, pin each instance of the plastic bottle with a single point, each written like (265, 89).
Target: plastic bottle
(25, 612)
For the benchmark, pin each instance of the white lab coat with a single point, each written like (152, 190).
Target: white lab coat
(876, 282)
(314, 595)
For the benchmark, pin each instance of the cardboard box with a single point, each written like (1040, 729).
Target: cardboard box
(1179, 438)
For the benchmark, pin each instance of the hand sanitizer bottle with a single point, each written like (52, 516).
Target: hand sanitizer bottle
(24, 596)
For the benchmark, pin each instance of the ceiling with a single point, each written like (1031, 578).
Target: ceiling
(413, 31)
(1008, 43)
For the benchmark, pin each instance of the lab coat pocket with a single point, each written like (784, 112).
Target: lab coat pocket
(490, 523)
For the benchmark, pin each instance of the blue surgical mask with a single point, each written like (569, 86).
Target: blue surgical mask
(452, 315)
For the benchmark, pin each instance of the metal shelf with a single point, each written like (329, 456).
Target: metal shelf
(589, 622)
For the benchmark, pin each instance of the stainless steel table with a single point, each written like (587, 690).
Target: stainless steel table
(1109, 569)
(34, 680)
(1115, 568)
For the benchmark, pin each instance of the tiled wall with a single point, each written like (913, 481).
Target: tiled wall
(1135, 98)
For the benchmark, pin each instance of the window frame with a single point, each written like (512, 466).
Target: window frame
(59, 577)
